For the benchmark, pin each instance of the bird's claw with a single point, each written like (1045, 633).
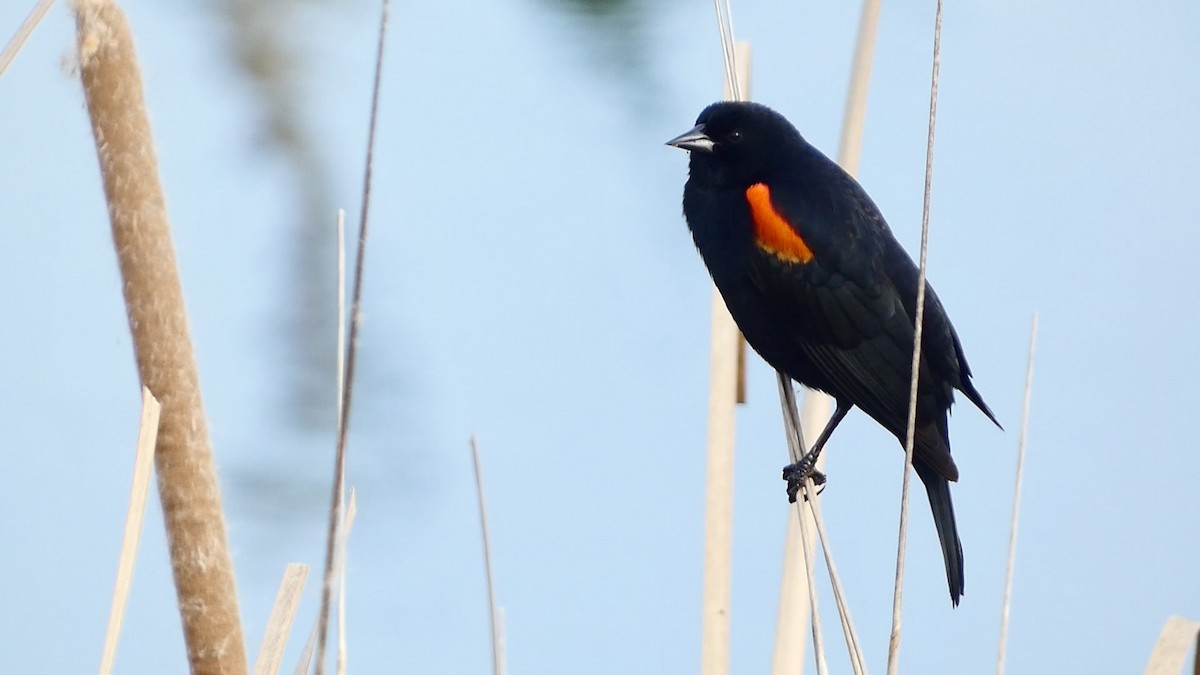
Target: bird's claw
(796, 474)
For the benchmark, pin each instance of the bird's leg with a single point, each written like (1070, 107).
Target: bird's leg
(796, 474)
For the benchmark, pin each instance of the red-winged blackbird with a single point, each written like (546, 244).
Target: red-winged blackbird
(823, 291)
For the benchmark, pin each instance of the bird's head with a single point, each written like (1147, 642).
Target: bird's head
(738, 143)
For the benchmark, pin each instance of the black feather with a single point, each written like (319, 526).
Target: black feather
(842, 322)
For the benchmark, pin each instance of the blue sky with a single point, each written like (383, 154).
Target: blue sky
(531, 280)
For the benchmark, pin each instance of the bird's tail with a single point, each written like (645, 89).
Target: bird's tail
(938, 489)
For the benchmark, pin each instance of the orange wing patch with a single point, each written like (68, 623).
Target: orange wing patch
(774, 234)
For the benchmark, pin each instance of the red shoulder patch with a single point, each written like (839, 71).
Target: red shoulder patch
(772, 231)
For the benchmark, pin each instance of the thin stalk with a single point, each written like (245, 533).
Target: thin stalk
(304, 663)
(893, 662)
(792, 619)
(340, 370)
(351, 509)
(279, 625)
(857, 663)
(493, 607)
(728, 50)
(335, 511)
(23, 32)
(1016, 512)
(143, 466)
(796, 448)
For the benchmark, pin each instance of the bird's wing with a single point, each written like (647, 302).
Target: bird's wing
(857, 334)
(940, 343)
(845, 314)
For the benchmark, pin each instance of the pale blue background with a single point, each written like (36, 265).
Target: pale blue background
(531, 280)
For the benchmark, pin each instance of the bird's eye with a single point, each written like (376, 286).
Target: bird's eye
(735, 136)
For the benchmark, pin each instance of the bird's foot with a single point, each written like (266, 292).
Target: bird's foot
(796, 474)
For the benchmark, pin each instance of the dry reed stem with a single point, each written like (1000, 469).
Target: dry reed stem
(279, 625)
(23, 32)
(806, 532)
(855, 116)
(143, 462)
(733, 72)
(797, 602)
(848, 632)
(1016, 512)
(718, 501)
(340, 231)
(722, 408)
(893, 661)
(493, 607)
(500, 642)
(187, 481)
(351, 352)
(343, 654)
(796, 448)
(1177, 639)
(791, 621)
(304, 663)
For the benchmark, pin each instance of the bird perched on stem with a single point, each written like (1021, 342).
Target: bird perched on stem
(818, 284)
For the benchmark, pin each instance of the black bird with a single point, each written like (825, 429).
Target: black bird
(818, 284)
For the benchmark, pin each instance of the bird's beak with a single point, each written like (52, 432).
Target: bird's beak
(694, 139)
